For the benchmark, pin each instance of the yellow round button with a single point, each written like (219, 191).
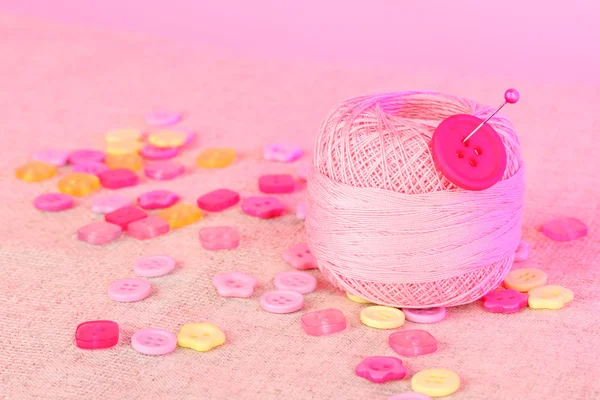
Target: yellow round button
(200, 337)
(129, 161)
(122, 148)
(35, 171)
(356, 299)
(382, 317)
(78, 184)
(123, 135)
(216, 158)
(180, 215)
(435, 382)
(525, 279)
(167, 138)
(551, 297)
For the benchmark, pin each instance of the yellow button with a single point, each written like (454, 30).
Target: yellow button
(180, 215)
(525, 279)
(551, 297)
(130, 161)
(35, 171)
(200, 337)
(123, 135)
(121, 148)
(216, 158)
(435, 382)
(382, 317)
(167, 138)
(78, 184)
(356, 299)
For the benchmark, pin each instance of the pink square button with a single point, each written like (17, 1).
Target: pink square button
(323, 322)
(218, 200)
(99, 233)
(147, 228)
(412, 343)
(125, 216)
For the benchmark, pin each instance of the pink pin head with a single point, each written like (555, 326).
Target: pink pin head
(512, 96)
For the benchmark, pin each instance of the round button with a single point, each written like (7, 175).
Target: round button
(154, 341)
(167, 138)
(153, 266)
(123, 135)
(129, 289)
(53, 202)
(296, 281)
(86, 155)
(425, 315)
(525, 279)
(282, 301)
(90, 167)
(163, 117)
(382, 317)
(475, 164)
(52, 156)
(435, 382)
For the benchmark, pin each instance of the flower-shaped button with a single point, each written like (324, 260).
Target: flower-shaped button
(104, 204)
(153, 266)
(276, 183)
(296, 281)
(52, 156)
(148, 228)
(412, 343)
(99, 233)
(425, 315)
(323, 322)
(551, 297)
(180, 215)
(282, 301)
(381, 369)
(234, 284)
(564, 229)
(35, 171)
(150, 152)
(504, 301)
(219, 238)
(435, 382)
(154, 341)
(382, 317)
(167, 138)
(163, 117)
(97, 334)
(281, 152)
(78, 184)
(218, 200)
(200, 337)
(118, 178)
(90, 167)
(53, 202)
(300, 257)
(125, 216)
(157, 199)
(86, 155)
(129, 289)
(164, 170)
(263, 207)
(216, 158)
(131, 161)
(525, 279)
(522, 252)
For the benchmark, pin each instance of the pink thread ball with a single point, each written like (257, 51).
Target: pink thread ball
(386, 225)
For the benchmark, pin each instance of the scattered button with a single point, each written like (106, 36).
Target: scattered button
(382, 317)
(234, 284)
(164, 170)
(150, 152)
(436, 382)
(425, 315)
(99, 233)
(97, 335)
(381, 369)
(167, 138)
(276, 183)
(85, 155)
(263, 207)
(157, 199)
(216, 158)
(219, 238)
(123, 135)
(53, 202)
(409, 396)
(129, 289)
(118, 178)
(104, 204)
(357, 299)
(281, 152)
(163, 118)
(123, 148)
(522, 252)
(296, 281)
(35, 171)
(525, 279)
(564, 229)
(411, 343)
(154, 341)
(504, 301)
(323, 322)
(148, 228)
(300, 257)
(55, 157)
(218, 200)
(131, 161)
(200, 337)
(301, 211)
(154, 266)
(125, 216)
(78, 184)
(180, 215)
(90, 167)
(550, 297)
(282, 301)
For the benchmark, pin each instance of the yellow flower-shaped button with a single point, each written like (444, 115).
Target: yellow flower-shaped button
(551, 297)
(382, 317)
(356, 299)
(435, 382)
(525, 279)
(168, 138)
(78, 184)
(35, 171)
(131, 161)
(123, 135)
(180, 215)
(216, 158)
(200, 337)
(122, 148)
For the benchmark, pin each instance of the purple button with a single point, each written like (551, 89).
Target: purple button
(323, 322)
(412, 343)
(218, 200)
(150, 152)
(564, 229)
(54, 157)
(425, 315)
(163, 118)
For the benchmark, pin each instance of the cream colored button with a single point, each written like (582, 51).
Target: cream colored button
(525, 279)
(167, 138)
(435, 382)
(382, 317)
(123, 135)
(356, 299)
(200, 337)
(123, 148)
(551, 297)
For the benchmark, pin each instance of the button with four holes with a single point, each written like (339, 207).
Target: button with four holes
(300, 257)
(97, 334)
(504, 301)
(297, 281)
(411, 343)
(525, 279)
(425, 315)
(281, 152)
(382, 317)
(263, 207)
(129, 289)
(435, 382)
(282, 301)
(323, 322)
(219, 237)
(153, 266)
(154, 341)
(234, 284)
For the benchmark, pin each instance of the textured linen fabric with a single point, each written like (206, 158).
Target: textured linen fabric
(65, 86)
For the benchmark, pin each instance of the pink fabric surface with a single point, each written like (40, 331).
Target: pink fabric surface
(64, 87)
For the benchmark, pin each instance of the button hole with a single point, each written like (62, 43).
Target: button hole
(466, 144)
(477, 151)
(472, 162)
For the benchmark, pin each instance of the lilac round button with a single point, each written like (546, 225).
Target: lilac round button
(53, 202)
(164, 170)
(410, 396)
(157, 199)
(54, 157)
(105, 204)
(154, 341)
(129, 289)
(425, 315)
(163, 118)
(153, 266)
(90, 167)
(296, 281)
(282, 301)
(150, 152)
(86, 155)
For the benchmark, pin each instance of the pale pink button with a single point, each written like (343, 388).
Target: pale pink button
(282, 301)
(263, 207)
(99, 233)
(54, 157)
(411, 343)
(118, 178)
(219, 238)
(323, 322)
(163, 118)
(90, 167)
(234, 284)
(150, 152)
(410, 396)
(297, 281)
(164, 170)
(281, 152)
(85, 155)
(564, 229)
(381, 369)
(154, 341)
(302, 172)
(218, 200)
(522, 252)
(301, 211)
(425, 315)
(154, 266)
(300, 257)
(129, 289)
(157, 199)
(148, 228)
(104, 204)
(276, 183)
(53, 202)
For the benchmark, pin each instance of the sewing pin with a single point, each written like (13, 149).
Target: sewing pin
(510, 96)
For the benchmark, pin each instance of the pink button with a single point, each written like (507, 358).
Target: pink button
(282, 301)
(124, 216)
(129, 289)
(381, 369)
(425, 315)
(163, 118)
(148, 228)
(154, 266)
(300, 257)
(410, 396)
(296, 281)
(150, 152)
(118, 178)
(263, 207)
(164, 170)
(90, 167)
(522, 252)
(157, 199)
(97, 335)
(301, 211)
(53, 202)
(323, 322)
(412, 343)
(219, 238)
(476, 164)
(234, 284)
(505, 301)
(54, 157)
(108, 203)
(82, 156)
(99, 233)
(276, 184)
(281, 152)
(154, 341)
(564, 229)
(218, 200)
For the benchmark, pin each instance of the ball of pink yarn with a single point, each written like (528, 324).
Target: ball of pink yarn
(383, 221)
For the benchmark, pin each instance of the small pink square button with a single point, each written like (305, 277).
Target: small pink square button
(90, 167)
(108, 203)
(52, 156)
(323, 322)
(154, 266)
(381, 369)
(281, 152)
(53, 202)
(129, 289)
(154, 341)
(99, 233)
(296, 281)
(97, 334)
(425, 315)
(276, 183)
(219, 238)
(234, 284)
(86, 155)
(125, 216)
(218, 200)
(157, 199)
(118, 178)
(300, 257)
(282, 301)
(148, 228)
(164, 170)
(263, 207)
(564, 229)
(412, 343)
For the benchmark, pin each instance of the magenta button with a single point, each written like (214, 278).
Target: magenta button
(53, 202)
(505, 301)
(90, 167)
(263, 207)
(276, 184)
(412, 343)
(218, 200)
(82, 156)
(381, 369)
(97, 334)
(323, 322)
(118, 178)
(125, 216)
